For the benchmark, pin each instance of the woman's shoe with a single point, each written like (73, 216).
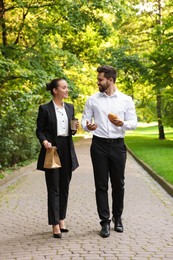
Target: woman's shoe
(64, 230)
(62, 226)
(59, 235)
(56, 231)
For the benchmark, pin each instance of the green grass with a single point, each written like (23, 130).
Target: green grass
(157, 154)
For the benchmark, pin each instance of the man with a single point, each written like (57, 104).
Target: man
(108, 151)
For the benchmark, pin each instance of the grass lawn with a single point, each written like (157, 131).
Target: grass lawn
(157, 154)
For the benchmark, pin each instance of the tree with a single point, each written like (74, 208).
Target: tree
(44, 39)
(159, 57)
(143, 51)
(41, 40)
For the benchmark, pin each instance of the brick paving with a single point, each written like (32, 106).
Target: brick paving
(147, 218)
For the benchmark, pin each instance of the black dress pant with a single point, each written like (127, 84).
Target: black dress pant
(57, 182)
(108, 159)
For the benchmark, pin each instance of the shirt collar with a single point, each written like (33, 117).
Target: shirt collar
(115, 94)
(56, 107)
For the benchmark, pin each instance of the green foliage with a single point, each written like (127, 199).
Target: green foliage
(168, 106)
(42, 40)
(17, 127)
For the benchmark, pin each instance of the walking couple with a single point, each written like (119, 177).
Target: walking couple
(108, 151)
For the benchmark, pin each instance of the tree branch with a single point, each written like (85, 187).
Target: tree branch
(8, 78)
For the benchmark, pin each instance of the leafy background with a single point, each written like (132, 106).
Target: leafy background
(42, 40)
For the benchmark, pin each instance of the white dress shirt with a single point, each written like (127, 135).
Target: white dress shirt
(99, 105)
(62, 120)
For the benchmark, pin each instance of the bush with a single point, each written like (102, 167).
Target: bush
(17, 126)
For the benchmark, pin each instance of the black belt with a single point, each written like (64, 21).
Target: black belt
(63, 136)
(108, 140)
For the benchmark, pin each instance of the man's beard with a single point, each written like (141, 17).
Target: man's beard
(103, 88)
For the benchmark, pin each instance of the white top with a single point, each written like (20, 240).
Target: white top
(99, 105)
(62, 120)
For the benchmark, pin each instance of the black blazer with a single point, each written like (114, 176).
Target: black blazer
(47, 130)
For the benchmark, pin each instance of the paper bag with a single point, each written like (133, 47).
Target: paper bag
(52, 159)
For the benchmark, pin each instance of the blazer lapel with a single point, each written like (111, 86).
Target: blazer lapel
(68, 115)
(53, 117)
(67, 111)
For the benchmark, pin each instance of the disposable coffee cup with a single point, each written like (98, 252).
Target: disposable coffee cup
(73, 123)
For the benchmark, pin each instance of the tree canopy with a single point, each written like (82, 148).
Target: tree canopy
(44, 39)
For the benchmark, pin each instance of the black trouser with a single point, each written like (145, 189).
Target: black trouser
(57, 181)
(108, 159)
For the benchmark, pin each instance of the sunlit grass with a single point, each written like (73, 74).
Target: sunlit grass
(158, 154)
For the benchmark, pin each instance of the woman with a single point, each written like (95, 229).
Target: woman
(53, 129)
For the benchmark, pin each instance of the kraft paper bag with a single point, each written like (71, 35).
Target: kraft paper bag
(52, 159)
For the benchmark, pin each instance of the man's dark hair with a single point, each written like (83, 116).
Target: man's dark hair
(109, 72)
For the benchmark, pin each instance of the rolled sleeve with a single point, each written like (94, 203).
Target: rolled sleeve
(130, 120)
(87, 115)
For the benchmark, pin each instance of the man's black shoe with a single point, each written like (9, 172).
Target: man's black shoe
(118, 227)
(105, 231)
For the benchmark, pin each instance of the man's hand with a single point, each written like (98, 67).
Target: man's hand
(91, 126)
(117, 122)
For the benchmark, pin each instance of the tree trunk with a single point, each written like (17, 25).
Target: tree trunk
(159, 97)
(159, 117)
(2, 23)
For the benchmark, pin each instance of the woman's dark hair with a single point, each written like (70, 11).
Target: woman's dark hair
(53, 84)
(109, 72)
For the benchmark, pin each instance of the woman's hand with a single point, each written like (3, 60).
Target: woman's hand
(47, 145)
(77, 125)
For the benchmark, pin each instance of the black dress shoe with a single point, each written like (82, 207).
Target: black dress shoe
(64, 230)
(105, 231)
(59, 235)
(118, 227)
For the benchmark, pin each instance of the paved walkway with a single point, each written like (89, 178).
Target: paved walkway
(148, 219)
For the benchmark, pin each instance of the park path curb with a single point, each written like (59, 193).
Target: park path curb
(16, 174)
(165, 185)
